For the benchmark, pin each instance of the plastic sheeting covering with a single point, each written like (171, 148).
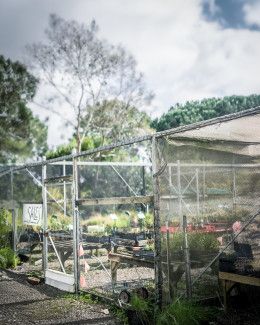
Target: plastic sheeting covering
(240, 136)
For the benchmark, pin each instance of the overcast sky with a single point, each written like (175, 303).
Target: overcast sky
(187, 49)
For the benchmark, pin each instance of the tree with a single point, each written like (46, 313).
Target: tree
(22, 135)
(83, 70)
(114, 120)
(196, 111)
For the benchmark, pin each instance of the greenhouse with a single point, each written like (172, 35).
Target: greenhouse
(167, 215)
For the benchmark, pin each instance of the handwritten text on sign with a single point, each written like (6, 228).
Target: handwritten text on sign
(32, 214)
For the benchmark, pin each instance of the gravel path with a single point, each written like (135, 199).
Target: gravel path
(23, 303)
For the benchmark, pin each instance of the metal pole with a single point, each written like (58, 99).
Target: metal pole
(170, 176)
(64, 191)
(168, 259)
(157, 228)
(204, 191)
(13, 212)
(45, 219)
(187, 259)
(234, 190)
(198, 194)
(75, 225)
(179, 190)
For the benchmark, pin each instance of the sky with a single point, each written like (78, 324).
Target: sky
(187, 49)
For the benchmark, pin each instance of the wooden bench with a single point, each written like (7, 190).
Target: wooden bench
(229, 280)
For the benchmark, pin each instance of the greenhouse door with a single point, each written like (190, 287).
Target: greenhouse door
(59, 246)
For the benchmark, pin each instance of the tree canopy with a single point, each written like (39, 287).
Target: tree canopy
(199, 110)
(112, 121)
(84, 71)
(22, 135)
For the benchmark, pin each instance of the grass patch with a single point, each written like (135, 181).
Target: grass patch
(185, 313)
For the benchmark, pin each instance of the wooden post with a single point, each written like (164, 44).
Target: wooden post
(114, 266)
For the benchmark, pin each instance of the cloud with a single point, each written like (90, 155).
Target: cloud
(252, 13)
(182, 54)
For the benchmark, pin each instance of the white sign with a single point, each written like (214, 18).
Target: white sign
(32, 214)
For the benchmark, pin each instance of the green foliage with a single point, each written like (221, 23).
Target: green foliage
(185, 313)
(114, 120)
(91, 142)
(197, 241)
(148, 221)
(59, 222)
(195, 111)
(123, 220)
(203, 241)
(87, 298)
(22, 135)
(143, 308)
(8, 258)
(5, 227)
(60, 151)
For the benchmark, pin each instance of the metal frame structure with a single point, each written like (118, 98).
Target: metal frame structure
(157, 169)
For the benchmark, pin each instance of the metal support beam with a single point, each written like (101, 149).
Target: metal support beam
(64, 191)
(45, 220)
(14, 213)
(234, 190)
(197, 195)
(115, 200)
(157, 226)
(75, 225)
(187, 259)
(179, 191)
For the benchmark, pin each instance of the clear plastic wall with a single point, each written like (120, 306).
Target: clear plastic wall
(58, 199)
(116, 223)
(217, 192)
(19, 188)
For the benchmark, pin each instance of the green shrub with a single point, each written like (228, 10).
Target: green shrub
(185, 313)
(8, 258)
(5, 228)
(197, 241)
(148, 221)
(143, 308)
(203, 242)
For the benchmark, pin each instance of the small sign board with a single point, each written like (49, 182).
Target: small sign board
(32, 214)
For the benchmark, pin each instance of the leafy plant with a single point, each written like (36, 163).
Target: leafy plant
(59, 222)
(5, 227)
(197, 241)
(8, 258)
(143, 308)
(119, 313)
(148, 221)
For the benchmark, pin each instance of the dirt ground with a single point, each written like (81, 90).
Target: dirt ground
(23, 303)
